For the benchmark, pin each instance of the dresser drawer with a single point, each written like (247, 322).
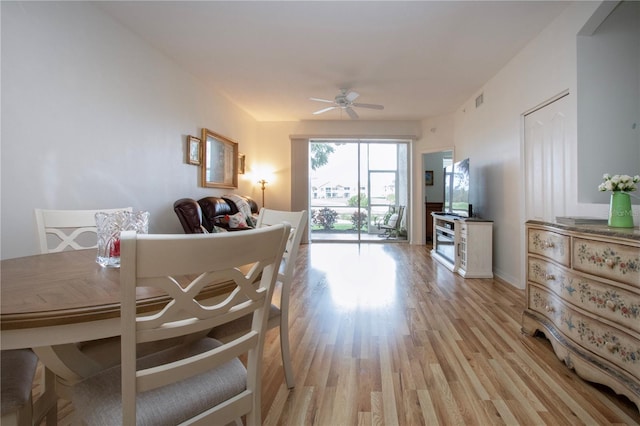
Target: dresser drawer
(603, 300)
(618, 262)
(607, 342)
(549, 244)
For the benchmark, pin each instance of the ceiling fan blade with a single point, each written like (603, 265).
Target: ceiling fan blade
(324, 110)
(352, 113)
(372, 106)
(321, 100)
(351, 96)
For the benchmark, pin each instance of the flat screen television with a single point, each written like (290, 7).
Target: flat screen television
(456, 189)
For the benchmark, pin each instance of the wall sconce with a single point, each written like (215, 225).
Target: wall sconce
(263, 184)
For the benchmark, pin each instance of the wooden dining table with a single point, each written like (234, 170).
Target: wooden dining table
(51, 302)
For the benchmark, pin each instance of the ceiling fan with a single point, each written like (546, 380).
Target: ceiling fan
(345, 101)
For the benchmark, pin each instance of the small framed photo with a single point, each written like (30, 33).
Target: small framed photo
(193, 150)
(241, 160)
(428, 177)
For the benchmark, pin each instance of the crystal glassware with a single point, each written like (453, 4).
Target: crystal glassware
(109, 226)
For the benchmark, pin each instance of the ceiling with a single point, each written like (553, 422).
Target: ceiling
(418, 58)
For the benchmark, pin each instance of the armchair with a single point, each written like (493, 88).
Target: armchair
(391, 226)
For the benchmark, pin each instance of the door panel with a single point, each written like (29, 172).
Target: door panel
(545, 144)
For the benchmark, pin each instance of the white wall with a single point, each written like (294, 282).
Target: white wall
(93, 117)
(491, 135)
(609, 101)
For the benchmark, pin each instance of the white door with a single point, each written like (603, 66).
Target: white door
(545, 161)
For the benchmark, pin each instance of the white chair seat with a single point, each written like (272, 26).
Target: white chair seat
(189, 397)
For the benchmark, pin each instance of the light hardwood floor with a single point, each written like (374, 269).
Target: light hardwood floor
(382, 334)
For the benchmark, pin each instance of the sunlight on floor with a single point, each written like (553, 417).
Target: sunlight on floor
(360, 276)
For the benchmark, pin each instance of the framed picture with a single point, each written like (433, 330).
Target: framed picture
(241, 164)
(220, 161)
(428, 177)
(193, 150)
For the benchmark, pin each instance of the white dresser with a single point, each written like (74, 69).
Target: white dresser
(583, 293)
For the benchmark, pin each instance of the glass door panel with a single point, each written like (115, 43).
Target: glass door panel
(334, 190)
(352, 186)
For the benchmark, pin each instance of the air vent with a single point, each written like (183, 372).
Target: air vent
(480, 100)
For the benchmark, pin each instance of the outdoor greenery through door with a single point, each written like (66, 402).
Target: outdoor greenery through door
(356, 186)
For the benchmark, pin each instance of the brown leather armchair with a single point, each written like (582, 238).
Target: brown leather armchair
(190, 215)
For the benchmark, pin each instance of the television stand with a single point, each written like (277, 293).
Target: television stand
(463, 245)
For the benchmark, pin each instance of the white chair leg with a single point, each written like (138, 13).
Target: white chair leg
(286, 354)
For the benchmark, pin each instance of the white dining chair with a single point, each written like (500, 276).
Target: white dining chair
(64, 229)
(279, 311)
(201, 380)
(60, 230)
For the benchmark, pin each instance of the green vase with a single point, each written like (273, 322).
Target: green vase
(620, 212)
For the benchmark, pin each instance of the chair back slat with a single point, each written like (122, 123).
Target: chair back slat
(69, 227)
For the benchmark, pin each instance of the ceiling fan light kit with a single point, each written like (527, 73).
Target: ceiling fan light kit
(345, 101)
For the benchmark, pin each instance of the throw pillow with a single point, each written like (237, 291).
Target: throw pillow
(392, 220)
(237, 221)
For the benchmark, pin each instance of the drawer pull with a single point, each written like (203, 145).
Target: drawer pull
(611, 347)
(550, 308)
(610, 263)
(611, 305)
(550, 277)
(548, 244)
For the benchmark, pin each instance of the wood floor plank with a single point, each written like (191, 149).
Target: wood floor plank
(377, 412)
(429, 415)
(389, 406)
(446, 405)
(529, 412)
(505, 413)
(383, 335)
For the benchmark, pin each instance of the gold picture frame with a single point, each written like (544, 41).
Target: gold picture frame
(193, 150)
(219, 168)
(241, 164)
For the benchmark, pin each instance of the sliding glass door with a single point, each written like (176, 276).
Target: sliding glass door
(355, 188)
